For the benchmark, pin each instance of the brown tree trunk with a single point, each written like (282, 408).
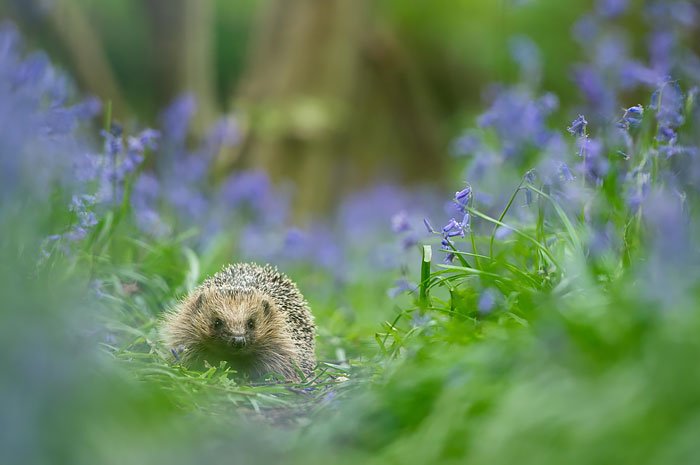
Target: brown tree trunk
(327, 98)
(183, 45)
(83, 43)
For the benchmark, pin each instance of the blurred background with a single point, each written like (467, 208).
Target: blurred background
(319, 135)
(333, 96)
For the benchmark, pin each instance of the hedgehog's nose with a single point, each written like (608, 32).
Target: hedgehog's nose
(238, 341)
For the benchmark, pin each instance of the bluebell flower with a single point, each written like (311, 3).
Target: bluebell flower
(595, 165)
(669, 151)
(667, 135)
(88, 108)
(672, 13)
(586, 29)
(428, 226)
(113, 143)
(177, 117)
(252, 193)
(584, 146)
(402, 286)
(145, 202)
(612, 8)
(632, 117)
(76, 234)
(634, 73)
(595, 88)
(578, 126)
(97, 289)
(667, 101)
(452, 228)
(530, 178)
(465, 223)
(466, 144)
(528, 57)
(463, 197)
(487, 301)
(639, 191)
(400, 223)
(420, 320)
(519, 120)
(661, 47)
(565, 172)
(611, 51)
(225, 133)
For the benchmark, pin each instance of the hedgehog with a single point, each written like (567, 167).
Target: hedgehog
(251, 316)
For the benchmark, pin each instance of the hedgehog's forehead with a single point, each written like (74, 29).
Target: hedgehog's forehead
(233, 293)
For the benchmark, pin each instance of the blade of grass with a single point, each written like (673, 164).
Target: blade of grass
(503, 215)
(425, 275)
(519, 233)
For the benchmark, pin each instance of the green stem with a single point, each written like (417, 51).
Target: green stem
(503, 215)
(519, 233)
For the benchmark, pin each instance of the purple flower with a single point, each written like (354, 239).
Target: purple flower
(88, 108)
(453, 228)
(611, 8)
(586, 29)
(578, 126)
(400, 223)
(145, 199)
(583, 144)
(667, 102)
(466, 144)
(595, 165)
(667, 135)
(176, 118)
(632, 117)
(428, 226)
(672, 13)
(225, 133)
(661, 45)
(76, 234)
(639, 191)
(526, 53)
(463, 197)
(402, 286)
(611, 51)
(671, 150)
(565, 172)
(530, 179)
(595, 88)
(487, 301)
(420, 320)
(519, 120)
(634, 73)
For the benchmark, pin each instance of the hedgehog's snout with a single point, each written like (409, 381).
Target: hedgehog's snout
(238, 341)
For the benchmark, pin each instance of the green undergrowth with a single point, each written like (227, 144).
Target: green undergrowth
(531, 345)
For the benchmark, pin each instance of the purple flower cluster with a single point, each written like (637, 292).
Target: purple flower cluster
(454, 228)
(614, 146)
(38, 121)
(611, 70)
(519, 121)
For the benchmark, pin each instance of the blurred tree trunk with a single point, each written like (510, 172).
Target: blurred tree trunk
(197, 66)
(183, 43)
(330, 99)
(83, 43)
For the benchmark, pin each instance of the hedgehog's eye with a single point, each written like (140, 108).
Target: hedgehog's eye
(251, 324)
(218, 323)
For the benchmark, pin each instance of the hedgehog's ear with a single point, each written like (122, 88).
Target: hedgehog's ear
(198, 303)
(267, 309)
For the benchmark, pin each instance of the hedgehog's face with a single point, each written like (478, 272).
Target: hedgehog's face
(232, 322)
